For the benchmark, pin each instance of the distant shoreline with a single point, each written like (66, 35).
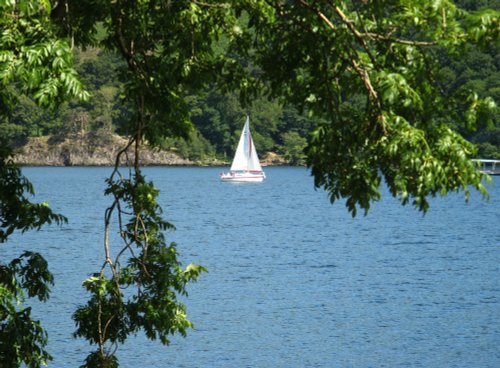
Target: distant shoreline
(83, 151)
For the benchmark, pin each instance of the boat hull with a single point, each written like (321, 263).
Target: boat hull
(245, 177)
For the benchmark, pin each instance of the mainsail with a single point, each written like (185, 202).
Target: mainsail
(246, 166)
(245, 158)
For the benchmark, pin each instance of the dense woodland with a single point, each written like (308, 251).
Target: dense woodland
(218, 116)
(365, 92)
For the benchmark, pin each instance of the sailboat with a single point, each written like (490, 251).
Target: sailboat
(246, 166)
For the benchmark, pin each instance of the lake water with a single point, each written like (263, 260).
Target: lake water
(293, 281)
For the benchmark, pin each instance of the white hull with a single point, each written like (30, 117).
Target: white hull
(244, 177)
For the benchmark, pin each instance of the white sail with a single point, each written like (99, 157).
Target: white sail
(245, 158)
(246, 165)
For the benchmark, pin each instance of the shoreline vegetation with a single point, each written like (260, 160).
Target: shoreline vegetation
(86, 150)
(376, 97)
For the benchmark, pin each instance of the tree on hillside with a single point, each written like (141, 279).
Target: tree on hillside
(366, 69)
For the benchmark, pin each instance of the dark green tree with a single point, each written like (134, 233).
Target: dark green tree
(365, 70)
(368, 70)
(35, 62)
(293, 148)
(166, 54)
(22, 339)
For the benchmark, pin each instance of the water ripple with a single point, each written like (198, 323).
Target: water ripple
(293, 281)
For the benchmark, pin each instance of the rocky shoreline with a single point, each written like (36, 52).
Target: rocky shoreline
(85, 150)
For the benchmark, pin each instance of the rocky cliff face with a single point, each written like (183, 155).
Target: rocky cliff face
(273, 159)
(87, 151)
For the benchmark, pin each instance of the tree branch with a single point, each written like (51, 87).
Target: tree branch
(206, 5)
(379, 37)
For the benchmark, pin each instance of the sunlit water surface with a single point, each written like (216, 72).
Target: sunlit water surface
(293, 281)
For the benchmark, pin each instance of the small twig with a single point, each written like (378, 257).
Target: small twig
(350, 25)
(107, 325)
(380, 37)
(319, 14)
(99, 330)
(443, 11)
(221, 5)
(116, 169)
(363, 74)
(146, 240)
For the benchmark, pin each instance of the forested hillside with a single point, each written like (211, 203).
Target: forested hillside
(372, 93)
(218, 116)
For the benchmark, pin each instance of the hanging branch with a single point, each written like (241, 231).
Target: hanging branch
(361, 71)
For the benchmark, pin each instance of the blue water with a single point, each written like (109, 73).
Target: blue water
(293, 281)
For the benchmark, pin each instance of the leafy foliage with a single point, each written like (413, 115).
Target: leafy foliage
(163, 61)
(369, 74)
(367, 69)
(217, 115)
(35, 62)
(31, 55)
(141, 293)
(16, 210)
(22, 339)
